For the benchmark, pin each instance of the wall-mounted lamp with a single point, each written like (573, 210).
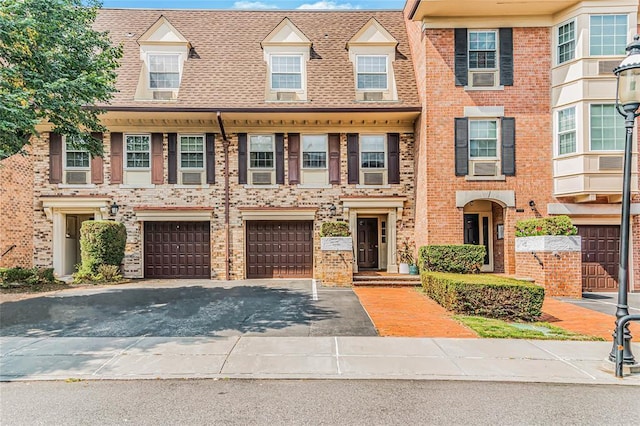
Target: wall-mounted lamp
(532, 204)
(332, 210)
(113, 209)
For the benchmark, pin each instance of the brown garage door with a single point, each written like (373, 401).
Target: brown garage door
(177, 250)
(600, 257)
(277, 249)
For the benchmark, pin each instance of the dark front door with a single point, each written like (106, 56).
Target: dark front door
(600, 257)
(472, 232)
(367, 243)
(177, 250)
(279, 249)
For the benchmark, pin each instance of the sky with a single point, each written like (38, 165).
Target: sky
(256, 4)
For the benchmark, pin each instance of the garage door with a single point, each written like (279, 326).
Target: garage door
(600, 257)
(277, 249)
(177, 250)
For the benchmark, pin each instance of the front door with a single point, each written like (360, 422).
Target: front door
(476, 231)
(368, 243)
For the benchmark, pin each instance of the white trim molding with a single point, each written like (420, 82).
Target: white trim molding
(506, 198)
(590, 209)
(548, 243)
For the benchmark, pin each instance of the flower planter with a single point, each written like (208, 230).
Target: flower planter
(413, 270)
(403, 268)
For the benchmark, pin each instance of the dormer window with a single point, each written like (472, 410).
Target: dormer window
(372, 72)
(164, 71)
(286, 72)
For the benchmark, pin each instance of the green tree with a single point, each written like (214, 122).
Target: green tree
(53, 67)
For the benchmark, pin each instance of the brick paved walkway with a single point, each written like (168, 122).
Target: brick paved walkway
(403, 311)
(581, 320)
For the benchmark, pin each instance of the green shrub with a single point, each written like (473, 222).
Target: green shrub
(102, 242)
(334, 229)
(556, 225)
(406, 253)
(108, 273)
(485, 295)
(26, 276)
(460, 258)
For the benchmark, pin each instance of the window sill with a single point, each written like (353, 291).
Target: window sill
(360, 186)
(181, 186)
(262, 186)
(137, 186)
(486, 178)
(298, 101)
(76, 185)
(477, 89)
(381, 101)
(314, 186)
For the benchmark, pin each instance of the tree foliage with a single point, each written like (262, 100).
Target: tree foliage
(55, 67)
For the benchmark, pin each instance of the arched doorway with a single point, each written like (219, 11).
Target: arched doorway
(483, 224)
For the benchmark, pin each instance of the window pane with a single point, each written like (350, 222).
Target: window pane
(286, 72)
(371, 72)
(192, 152)
(372, 143)
(76, 157)
(607, 34)
(566, 42)
(314, 151)
(261, 143)
(164, 71)
(607, 128)
(138, 151)
(372, 153)
(483, 138)
(286, 81)
(482, 49)
(261, 149)
(373, 160)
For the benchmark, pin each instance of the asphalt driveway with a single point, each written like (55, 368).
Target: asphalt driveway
(180, 308)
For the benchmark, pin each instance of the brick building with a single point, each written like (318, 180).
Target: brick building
(227, 149)
(519, 121)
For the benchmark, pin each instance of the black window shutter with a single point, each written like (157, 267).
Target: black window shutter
(280, 158)
(461, 61)
(353, 157)
(506, 56)
(211, 157)
(462, 146)
(172, 154)
(55, 158)
(508, 146)
(242, 158)
(393, 156)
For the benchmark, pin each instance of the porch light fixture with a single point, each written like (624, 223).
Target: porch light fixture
(113, 209)
(627, 104)
(332, 210)
(532, 204)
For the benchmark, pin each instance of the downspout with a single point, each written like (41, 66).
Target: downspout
(227, 237)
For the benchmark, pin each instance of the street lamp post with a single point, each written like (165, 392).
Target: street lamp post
(627, 103)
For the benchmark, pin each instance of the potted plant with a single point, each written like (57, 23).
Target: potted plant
(407, 261)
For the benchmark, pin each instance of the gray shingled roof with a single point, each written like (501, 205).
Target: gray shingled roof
(231, 72)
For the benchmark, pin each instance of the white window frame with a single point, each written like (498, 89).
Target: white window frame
(498, 139)
(619, 128)
(622, 52)
(560, 132)
(385, 73)
(572, 40)
(179, 59)
(301, 73)
(249, 151)
(326, 152)
(203, 152)
(126, 152)
(497, 50)
(384, 152)
(67, 150)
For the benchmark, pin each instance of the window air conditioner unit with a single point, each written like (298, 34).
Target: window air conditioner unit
(483, 79)
(286, 96)
(373, 96)
(165, 95)
(190, 178)
(76, 178)
(261, 178)
(610, 163)
(484, 168)
(373, 178)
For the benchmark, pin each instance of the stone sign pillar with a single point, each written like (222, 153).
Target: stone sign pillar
(335, 262)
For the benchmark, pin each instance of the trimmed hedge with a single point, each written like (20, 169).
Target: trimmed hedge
(556, 225)
(102, 242)
(485, 295)
(334, 229)
(26, 276)
(460, 258)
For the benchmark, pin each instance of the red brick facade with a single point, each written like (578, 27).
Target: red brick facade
(16, 211)
(558, 273)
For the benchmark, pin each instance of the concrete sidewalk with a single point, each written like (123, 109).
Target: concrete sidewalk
(97, 358)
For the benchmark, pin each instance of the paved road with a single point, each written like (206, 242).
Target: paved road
(369, 402)
(606, 302)
(190, 309)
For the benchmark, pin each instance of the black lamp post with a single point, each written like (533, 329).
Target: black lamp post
(627, 103)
